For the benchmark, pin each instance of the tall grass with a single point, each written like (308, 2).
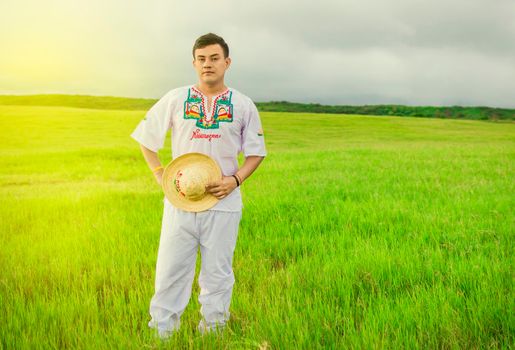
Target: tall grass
(357, 232)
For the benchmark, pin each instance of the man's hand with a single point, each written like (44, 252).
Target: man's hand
(221, 189)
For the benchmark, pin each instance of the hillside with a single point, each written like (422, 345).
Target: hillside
(125, 103)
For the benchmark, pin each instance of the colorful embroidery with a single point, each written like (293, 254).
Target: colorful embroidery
(221, 110)
(176, 182)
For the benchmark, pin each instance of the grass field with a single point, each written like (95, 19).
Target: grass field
(357, 232)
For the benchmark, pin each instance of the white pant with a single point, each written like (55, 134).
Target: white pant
(181, 234)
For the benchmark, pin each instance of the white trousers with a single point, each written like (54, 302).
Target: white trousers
(181, 234)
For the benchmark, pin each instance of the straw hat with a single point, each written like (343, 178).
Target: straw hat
(185, 179)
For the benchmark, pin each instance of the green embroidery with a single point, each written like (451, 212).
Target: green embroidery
(194, 108)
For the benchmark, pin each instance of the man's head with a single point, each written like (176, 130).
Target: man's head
(211, 58)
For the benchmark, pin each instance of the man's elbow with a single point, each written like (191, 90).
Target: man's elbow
(144, 149)
(256, 158)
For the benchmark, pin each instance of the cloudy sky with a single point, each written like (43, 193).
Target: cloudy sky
(439, 52)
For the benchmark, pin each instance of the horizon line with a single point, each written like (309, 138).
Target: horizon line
(272, 101)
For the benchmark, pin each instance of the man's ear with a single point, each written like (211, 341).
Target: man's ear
(228, 62)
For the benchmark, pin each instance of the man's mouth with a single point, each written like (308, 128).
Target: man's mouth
(208, 72)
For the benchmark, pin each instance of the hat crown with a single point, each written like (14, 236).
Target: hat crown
(185, 179)
(192, 183)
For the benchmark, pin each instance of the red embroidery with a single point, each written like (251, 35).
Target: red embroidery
(199, 135)
(177, 183)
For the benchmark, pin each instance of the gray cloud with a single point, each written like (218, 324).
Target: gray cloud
(346, 51)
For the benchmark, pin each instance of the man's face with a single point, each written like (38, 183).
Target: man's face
(210, 64)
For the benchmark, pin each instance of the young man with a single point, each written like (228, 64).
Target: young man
(221, 122)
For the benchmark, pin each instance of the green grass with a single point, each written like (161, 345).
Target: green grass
(81, 101)
(357, 232)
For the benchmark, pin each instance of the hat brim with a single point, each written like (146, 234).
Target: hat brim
(203, 163)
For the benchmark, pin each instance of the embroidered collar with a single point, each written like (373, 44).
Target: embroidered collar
(213, 103)
(197, 90)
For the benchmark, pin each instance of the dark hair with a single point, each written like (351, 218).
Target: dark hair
(211, 39)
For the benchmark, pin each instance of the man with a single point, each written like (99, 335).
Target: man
(221, 122)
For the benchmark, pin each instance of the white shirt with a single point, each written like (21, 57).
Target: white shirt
(230, 125)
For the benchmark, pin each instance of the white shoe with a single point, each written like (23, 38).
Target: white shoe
(204, 328)
(164, 334)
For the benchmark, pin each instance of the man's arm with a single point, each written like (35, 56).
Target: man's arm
(222, 188)
(153, 161)
(249, 165)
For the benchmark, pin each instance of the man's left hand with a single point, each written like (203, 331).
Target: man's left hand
(221, 189)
